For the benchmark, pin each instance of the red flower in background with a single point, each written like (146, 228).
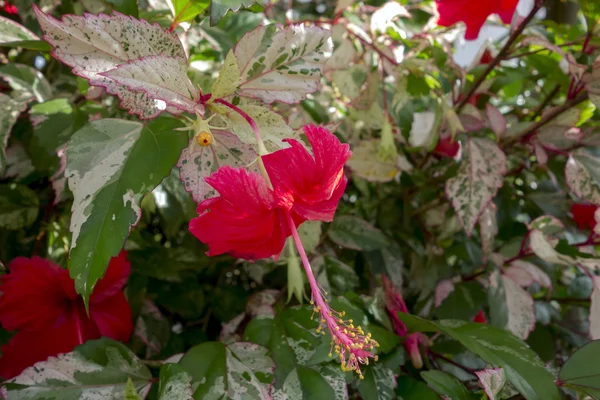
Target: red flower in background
(583, 215)
(446, 147)
(10, 9)
(474, 13)
(248, 220)
(480, 318)
(39, 301)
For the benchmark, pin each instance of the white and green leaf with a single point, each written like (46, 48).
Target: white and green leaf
(111, 165)
(582, 174)
(10, 31)
(197, 162)
(282, 64)
(479, 177)
(28, 81)
(9, 112)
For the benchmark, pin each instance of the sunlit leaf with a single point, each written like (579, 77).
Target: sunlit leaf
(282, 65)
(93, 45)
(10, 31)
(366, 164)
(229, 78)
(271, 125)
(218, 8)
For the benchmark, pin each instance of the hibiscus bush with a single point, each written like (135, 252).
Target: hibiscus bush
(263, 199)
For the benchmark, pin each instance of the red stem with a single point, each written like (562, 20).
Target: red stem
(245, 116)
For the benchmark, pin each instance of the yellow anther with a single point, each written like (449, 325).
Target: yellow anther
(204, 139)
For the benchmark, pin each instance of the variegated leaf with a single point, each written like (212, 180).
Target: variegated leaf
(479, 177)
(562, 132)
(175, 383)
(344, 52)
(229, 371)
(27, 80)
(349, 81)
(524, 274)
(111, 164)
(595, 310)
(271, 125)
(511, 307)
(582, 173)
(492, 380)
(496, 120)
(9, 112)
(282, 65)
(96, 370)
(10, 31)
(365, 163)
(159, 78)
(198, 162)
(95, 44)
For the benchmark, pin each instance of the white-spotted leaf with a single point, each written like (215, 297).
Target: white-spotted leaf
(271, 125)
(175, 383)
(366, 164)
(488, 229)
(511, 307)
(492, 380)
(282, 65)
(582, 173)
(10, 31)
(479, 177)
(96, 370)
(198, 162)
(524, 274)
(95, 44)
(229, 78)
(159, 78)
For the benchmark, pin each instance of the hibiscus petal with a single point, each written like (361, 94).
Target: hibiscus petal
(473, 13)
(316, 184)
(113, 317)
(245, 221)
(114, 279)
(33, 294)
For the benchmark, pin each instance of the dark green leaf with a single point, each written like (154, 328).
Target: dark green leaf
(582, 370)
(378, 383)
(19, 206)
(410, 389)
(127, 7)
(356, 233)
(445, 384)
(500, 348)
(38, 45)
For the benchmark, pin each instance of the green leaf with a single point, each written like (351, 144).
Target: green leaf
(582, 370)
(356, 233)
(218, 8)
(411, 389)
(10, 31)
(239, 370)
(463, 302)
(9, 113)
(378, 383)
(175, 383)
(291, 338)
(28, 80)
(111, 165)
(334, 276)
(187, 10)
(228, 79)
(320, 382)
(127, 7)
(19, 206)
(500, 348)
(38, 45)
(97, 369)
(446, 385)
(366, 163)
(130, 392)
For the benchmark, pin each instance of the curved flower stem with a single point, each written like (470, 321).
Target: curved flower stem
(262, 150)
(349, 342)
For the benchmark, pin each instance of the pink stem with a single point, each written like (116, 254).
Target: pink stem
(246, 117)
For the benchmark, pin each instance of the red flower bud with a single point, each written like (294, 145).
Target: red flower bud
(446, 147)
(480, 318)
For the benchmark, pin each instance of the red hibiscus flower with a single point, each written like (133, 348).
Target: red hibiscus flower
(474, 13)
(480, 318)
(39, 301)
(248, 219)
(583, 215)
(10, 9)
(446, 147)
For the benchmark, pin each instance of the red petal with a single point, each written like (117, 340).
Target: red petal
(316, 184)
(480, 318)
(34, 294)
(473, 13)
(583, 215)
(446, 147)
(28, 347)
(113, 317)
(114, 279)
(245, 221)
